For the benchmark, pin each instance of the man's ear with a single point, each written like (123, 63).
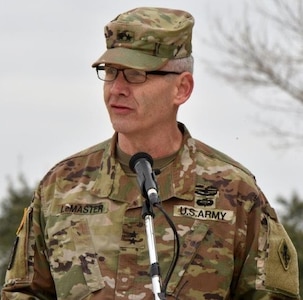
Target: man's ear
(185, 85)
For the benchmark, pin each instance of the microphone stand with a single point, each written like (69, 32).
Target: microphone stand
(141, 163)
(148, 215)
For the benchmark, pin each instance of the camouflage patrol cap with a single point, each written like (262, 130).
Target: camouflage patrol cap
(147, 37)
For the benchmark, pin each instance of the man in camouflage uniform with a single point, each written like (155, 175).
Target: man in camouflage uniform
(83, 236)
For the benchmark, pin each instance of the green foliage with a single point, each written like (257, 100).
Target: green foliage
(293, 223)
(12, 207)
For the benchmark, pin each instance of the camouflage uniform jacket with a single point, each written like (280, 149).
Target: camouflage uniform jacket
(83, 236)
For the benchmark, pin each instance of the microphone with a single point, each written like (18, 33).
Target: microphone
(141, 163)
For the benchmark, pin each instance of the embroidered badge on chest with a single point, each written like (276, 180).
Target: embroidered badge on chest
(206, 196)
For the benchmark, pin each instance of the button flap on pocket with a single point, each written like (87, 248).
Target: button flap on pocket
(88, 258)
(189, 246)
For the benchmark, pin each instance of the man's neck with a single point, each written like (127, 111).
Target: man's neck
(158, 145)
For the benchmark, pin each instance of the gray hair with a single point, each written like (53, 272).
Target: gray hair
(181, 64)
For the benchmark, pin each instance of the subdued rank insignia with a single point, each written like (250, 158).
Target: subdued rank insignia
(206, 196)
(125, 36)
(133, 238)
(284, 254)
(132, 235)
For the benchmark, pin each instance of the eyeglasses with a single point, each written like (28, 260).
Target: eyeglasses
(108, 74)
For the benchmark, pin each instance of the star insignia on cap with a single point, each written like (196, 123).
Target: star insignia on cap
(125, 36)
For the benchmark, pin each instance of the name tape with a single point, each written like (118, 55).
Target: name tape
(83, 209)
(203, 214)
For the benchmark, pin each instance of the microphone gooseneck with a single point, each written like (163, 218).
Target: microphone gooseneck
(141, 163)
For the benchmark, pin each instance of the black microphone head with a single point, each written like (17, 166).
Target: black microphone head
(136, 157)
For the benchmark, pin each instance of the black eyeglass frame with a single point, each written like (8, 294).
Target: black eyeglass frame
(156, 72)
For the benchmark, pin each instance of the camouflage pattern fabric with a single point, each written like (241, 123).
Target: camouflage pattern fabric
(147, 37)
(83, 236)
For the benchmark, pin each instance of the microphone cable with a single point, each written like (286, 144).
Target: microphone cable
(176, 249)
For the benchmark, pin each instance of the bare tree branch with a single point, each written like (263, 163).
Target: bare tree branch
(265, 56)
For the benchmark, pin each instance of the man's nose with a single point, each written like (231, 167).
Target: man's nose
(120, 84)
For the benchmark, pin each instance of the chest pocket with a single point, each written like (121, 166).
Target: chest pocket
(189, 243)
(134, 264)
(73, 258)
